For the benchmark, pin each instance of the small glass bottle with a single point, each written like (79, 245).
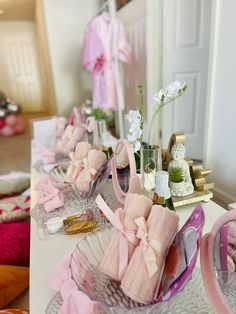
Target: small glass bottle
(162, 194)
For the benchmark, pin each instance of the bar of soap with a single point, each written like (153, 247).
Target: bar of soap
(54, 224)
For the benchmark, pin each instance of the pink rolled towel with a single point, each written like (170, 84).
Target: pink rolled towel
(91, 166)
(70, 137)
(75, 166)
(143, 275)
(124, 241)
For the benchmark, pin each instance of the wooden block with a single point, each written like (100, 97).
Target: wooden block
(202, 173)
(205, 187)
(199, 181)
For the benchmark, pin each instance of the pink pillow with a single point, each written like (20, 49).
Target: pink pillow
(15, 243)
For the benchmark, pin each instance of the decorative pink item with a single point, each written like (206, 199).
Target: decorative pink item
(71, 136)
(11, 120)
(60, 126)
(178, 269)
(91, 166)
(2, 123)
(48, 155)
(75, 166)
(7, 131)
(143, 275)
(98, 58)
(15, 243)
(74, 300)
(76, 117)
(51, 198)
(213, 289)
(135, 183)
(91, 127)
(124, 241)
(19, 127)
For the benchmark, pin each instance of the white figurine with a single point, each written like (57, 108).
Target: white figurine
(185, 186)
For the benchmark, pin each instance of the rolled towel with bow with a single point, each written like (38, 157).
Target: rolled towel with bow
(143, 275)
(69, 139)
(91, 166)
(75, 165)
(124, 241)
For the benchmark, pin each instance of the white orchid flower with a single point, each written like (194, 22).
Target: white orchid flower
(135, 131)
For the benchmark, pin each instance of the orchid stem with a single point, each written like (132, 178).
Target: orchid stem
(161, 105)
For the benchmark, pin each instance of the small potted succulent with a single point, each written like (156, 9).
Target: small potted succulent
(176, 176)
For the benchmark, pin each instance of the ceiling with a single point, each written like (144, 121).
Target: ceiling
(17, 10)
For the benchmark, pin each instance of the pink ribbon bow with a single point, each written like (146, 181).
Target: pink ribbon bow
(88, 170)
(117, 220)
(73, 168)
(150, 246)
(74, 300)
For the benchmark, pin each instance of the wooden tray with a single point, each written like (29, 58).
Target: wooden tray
(197, 196)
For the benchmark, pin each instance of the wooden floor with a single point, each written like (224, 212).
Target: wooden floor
(15, 153)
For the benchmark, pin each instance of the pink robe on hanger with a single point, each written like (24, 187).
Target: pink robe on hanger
(98, 58)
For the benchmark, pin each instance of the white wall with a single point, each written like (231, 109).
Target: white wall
(221, 122)
(66, 22)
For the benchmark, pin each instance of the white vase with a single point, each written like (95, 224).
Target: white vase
(177, 186)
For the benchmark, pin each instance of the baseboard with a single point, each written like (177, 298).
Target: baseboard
(222, 197)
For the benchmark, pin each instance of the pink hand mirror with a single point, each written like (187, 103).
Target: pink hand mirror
(218, 264)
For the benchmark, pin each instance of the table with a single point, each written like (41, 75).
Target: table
(45, 254)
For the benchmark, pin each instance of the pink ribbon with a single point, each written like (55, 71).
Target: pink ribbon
(74, 300)
(150, 246)
(73, 168)
(89, 171)
(117, 220)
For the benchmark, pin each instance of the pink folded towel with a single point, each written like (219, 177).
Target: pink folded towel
(51, 198)
(124, 241)
(75, 166)
(91, 166)
(143, 275)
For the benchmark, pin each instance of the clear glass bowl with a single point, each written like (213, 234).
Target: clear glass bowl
(99, 287)
(74, 202)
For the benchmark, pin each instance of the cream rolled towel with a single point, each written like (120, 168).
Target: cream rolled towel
(122, 159)
(75, 166)
(143, 275)
(121, 247)
(135, 184)
(91, 166)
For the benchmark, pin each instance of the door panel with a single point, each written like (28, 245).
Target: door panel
(21, 67)
(186, 27)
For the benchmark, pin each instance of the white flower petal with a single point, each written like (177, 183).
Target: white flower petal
(137, 146)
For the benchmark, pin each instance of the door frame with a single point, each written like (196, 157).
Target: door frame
(215, 11)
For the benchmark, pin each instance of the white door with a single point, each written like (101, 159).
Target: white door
(19, 60)
(186, 36)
